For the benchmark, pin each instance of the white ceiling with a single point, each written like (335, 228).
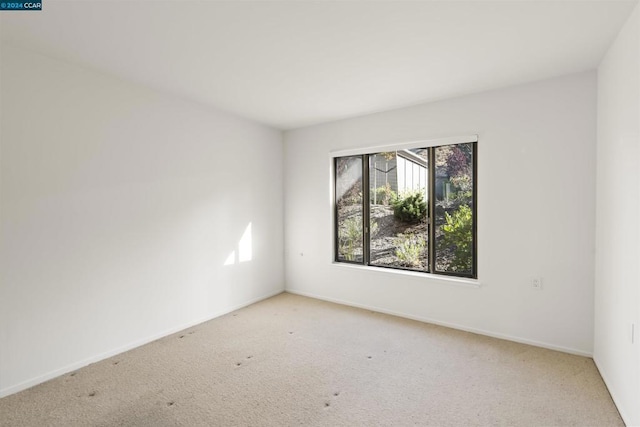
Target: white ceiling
(295, 63)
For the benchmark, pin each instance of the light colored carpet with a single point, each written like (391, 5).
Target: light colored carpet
(291, 360)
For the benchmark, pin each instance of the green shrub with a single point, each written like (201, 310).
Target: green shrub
(373, 229)
(383, 195)
(410, 206)
(350, 238)
(458, 238)
(462, 182)
(410, 249)
(462, 186)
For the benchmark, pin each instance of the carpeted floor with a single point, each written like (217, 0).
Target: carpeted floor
(291, 360)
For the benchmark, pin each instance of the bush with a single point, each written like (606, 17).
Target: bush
(350, 238)
(373, 229)
(410, 249)
(458, 238)
(410, 206)
(462, 182)
(383, 195)
(457, 163)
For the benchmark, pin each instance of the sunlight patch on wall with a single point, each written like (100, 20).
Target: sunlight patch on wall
(244, 251)
(231, 259)
(244, 246)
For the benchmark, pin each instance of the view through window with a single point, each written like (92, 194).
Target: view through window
(411, 209)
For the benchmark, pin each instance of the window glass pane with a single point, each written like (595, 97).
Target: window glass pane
(398, 209)
(349, 208)
(454, 208)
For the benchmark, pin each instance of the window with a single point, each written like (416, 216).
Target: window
(410, 208)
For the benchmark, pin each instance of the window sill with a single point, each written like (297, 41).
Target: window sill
(449, 280)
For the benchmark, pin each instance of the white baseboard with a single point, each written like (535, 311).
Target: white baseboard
(97, 358)
(614, 397)
(446, 324)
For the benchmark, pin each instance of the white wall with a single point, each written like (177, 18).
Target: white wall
(617, 285)
(536, 208)
(119, 208)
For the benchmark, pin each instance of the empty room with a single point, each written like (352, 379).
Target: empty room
(322, 213)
